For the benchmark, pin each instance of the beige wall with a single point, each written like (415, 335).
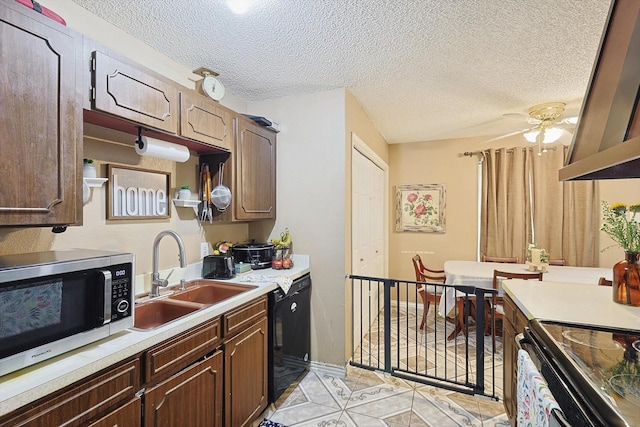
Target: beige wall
(310, 202)
(616, 190)
(440, 162)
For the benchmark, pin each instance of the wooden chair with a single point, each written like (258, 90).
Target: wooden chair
(424, 274)
(604, 282)
(509, 260)
(498, 303)
(559, 261)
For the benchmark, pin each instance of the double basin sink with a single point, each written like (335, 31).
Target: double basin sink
(199, 294)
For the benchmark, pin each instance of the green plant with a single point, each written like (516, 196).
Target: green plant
(619, 222)
(185, 187)
(544, 256)
(87, 161)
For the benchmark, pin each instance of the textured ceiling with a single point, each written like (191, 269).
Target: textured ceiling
(422, 69)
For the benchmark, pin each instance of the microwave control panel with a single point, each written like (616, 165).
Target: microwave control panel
(121, 291)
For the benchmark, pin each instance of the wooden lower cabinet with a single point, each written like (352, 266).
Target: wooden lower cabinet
(514, 323)
(86, 401)
(128, 415)
(246, 376)
(213, 375)
(193, 397)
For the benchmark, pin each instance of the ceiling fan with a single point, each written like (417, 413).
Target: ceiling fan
(546, 124)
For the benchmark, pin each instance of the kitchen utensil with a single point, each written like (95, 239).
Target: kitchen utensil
(208, 194)
(221, 195)
(201, 194)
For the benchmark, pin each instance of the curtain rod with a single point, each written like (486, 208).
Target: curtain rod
(509, 150)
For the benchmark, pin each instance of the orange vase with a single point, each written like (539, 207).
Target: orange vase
(626, 280)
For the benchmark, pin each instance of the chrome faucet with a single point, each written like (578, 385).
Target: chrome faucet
(156, 281)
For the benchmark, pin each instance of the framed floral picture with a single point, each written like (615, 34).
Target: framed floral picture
(420, 207)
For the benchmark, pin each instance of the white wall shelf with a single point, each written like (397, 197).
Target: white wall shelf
(183, 203)
(88, 184)
(95, 182)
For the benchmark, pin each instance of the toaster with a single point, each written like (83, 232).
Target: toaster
(218, 267)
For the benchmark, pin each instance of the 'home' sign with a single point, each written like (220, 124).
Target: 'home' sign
(137, 193)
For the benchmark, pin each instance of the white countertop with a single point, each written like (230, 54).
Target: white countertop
(583, 304)
(29, 384)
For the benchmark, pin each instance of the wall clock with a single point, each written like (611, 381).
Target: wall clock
(210, 85)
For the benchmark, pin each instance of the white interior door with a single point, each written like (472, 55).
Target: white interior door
(368, 239)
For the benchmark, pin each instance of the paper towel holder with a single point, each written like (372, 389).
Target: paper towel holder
(174, 152)
(138, 140)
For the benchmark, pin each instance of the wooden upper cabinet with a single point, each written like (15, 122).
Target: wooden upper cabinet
(131, 93)
(255, 173)
(206, 121)
(40, 121)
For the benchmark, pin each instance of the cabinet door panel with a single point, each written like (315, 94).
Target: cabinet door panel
(242, 317)
(246, 375)
(83, 402)
(206, 121)
(182, 350)
(40, 123)
(191, 398)
(131, 93)
(255, 172)
(509, 371)
(128, 415)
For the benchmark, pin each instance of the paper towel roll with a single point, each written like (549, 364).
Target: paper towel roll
(165, 150)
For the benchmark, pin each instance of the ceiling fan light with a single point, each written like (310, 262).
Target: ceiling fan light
(550, 135)
(531, 136)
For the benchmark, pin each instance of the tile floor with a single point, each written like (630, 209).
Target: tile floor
(331, 396)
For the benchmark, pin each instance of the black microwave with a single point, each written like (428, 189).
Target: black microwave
(56, 301)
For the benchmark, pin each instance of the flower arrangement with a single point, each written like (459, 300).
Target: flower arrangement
(619, 222)
(421, 209)
(544, 255)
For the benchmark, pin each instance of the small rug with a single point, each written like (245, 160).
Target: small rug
(268, 423)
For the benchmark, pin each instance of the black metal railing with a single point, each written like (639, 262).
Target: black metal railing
(456, 349)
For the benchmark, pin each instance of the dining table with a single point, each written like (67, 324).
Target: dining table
(480, 275)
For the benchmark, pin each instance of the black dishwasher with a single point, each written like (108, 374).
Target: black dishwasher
(289, 335)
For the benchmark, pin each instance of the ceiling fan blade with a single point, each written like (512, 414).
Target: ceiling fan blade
(507, 135)
(516, 116)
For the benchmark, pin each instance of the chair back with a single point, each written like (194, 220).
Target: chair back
(604, 282)
(509, 260)
(424, 274)
(499, 276)
(559, 261)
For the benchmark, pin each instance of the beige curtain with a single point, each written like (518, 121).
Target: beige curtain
(505, 202)
(521, 193)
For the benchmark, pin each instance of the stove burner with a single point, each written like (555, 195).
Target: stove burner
(590, 339)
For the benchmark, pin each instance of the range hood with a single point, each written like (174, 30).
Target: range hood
(606, 144)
